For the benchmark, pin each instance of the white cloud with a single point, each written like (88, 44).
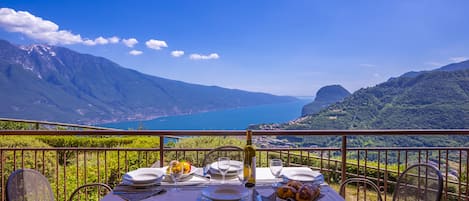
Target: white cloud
(130, 42)
(135, 52)
(204, 57)
(458, 59)
(113, 39)
(100, 40)
(177, 53)
(156, 44)
(43, 30)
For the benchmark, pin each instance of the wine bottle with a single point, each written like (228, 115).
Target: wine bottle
(249, 170)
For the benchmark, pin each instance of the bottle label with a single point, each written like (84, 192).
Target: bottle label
(253, 168)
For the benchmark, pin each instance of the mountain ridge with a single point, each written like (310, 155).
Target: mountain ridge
(53, 83)
(325, 96)
(437, 99)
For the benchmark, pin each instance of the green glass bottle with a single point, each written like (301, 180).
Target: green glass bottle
(249, 170)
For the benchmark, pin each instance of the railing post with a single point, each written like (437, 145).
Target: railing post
(344, 158)
(161, 150)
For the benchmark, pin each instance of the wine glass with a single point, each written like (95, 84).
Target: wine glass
(223, 166)
(240, 169)
(276, 166)
(176, 171)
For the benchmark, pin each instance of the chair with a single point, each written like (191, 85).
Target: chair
(419, 182)
(30, 185)
(365, 189)
(234, 152)
(92, 185)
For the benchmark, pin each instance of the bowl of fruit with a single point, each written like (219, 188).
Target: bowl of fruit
(176, 166)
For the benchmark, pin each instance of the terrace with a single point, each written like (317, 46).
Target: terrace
(68, 167)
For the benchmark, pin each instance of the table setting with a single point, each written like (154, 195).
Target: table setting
(222, 180)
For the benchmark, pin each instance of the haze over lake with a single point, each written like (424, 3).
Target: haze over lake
(231, 119)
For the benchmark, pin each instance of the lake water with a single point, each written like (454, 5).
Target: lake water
(231, 119)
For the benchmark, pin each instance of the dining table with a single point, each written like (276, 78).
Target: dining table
(190, 188)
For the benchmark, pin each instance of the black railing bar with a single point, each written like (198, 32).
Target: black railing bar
(182, 133)
(259, 149)
(55, 124)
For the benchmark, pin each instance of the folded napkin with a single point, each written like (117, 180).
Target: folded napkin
(132, 193)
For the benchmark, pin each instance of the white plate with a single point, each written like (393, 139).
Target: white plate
(225, 192)
(234, 166)
(143, 176)
(129, 183)
(303, 175)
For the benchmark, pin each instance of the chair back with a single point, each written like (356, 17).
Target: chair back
(99, 189)
(28, 185)
(419, 182)
(361, 189)
(233, 152)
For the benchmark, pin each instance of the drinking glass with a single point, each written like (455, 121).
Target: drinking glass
(176, 171)
(276, 166)
(223, 166)
(240, 169)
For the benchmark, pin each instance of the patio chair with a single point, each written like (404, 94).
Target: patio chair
(103, 189)
(30, 185)
(366, 189)
(419, 182)
(234, 152)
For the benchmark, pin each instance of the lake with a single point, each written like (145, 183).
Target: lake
(230, 119)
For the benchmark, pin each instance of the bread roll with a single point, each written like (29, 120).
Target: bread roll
(295, 184)
(307, 193)
(286, 192)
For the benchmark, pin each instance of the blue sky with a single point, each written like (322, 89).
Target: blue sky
(280, 47)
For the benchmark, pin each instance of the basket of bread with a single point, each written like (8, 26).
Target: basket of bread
(297, 191)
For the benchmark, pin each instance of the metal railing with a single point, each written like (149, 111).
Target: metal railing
(37, 125)
(69, 167)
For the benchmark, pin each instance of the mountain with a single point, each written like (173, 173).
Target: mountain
(324, 97)
(431, 100)
(53, 83)
(450, 67)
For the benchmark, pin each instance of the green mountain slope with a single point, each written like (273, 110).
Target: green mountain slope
(431, 100)
(324, 97)
(434, 100)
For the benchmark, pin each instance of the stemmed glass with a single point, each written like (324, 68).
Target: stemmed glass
(276, 166)
(223, 166)
(240, 169)
(176, 171)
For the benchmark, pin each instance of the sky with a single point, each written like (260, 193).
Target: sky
(283, 47)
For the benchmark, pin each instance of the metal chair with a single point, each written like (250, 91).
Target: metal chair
(366, 189)
(419, 182)
(100, 186)
(30, 185)
(234, 152)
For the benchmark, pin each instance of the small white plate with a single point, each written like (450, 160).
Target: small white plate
(234, 166)
(303, 175)
(225, 192)
(143, 176)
